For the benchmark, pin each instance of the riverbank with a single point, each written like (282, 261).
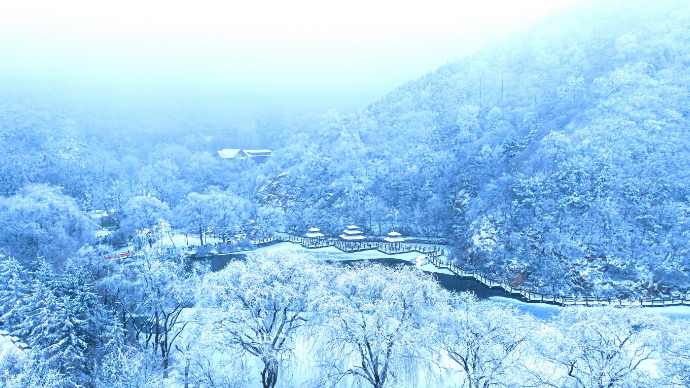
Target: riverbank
(447, 278)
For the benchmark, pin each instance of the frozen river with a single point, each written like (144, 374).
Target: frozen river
(447, 279)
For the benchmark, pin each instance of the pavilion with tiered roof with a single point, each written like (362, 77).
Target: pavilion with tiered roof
(395, 239)
(315, 238)
(352, 233)
(314, 233)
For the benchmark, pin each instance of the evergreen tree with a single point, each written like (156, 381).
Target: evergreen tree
(13, 291)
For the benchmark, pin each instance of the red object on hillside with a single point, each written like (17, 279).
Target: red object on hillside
(121, 255)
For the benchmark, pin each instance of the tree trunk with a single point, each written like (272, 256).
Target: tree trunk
(165, 366)
(186, 374)
(164, 354)
(269, 376)
(124, 322)
(156, 337)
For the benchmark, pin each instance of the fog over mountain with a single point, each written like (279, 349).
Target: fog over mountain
(302, 56)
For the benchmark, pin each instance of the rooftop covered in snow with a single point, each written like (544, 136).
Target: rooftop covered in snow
(230, 153)
(352, 237)
(236, 153)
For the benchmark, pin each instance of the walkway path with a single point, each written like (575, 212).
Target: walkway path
(435, 256)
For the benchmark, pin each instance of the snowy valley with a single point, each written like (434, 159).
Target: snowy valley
(518, 217)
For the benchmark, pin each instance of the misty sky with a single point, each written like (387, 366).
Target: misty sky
(309, 55)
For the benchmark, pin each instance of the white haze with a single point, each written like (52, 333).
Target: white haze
(297, 56)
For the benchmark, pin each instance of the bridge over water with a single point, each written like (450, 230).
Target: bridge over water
(463, 279)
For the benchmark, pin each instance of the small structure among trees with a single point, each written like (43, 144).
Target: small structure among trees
(352, 239)
(315, 238)
(314, 233)
(352, 233)
(228, 153)
(257, 156)
(394, 240)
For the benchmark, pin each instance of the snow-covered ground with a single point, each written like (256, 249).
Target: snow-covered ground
(545, 311)
(333, 253)
(9, 350)
(298, 373)
(179, 240)
(539, 310)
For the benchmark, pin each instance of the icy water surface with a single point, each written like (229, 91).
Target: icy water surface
(447, 280)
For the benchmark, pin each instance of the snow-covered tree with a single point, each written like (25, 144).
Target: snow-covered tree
(143, 213)
(166, 289)
(675, 358)
(39, 300)
(129, 367)
(13, 290)
(269, 220)
(148, 297)
(602, 348)
(203, 362)
(486, 342)
(195, 214)
(41, 221)
(377, 321)
(38, 373)
(64, 322)
(257, 307)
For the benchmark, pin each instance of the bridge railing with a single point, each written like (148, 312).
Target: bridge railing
(266, 240)
(562, 300)
(355, 246)
(434, 253)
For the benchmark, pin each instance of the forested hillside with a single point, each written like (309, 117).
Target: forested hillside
(58, 163)
(557, 157)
